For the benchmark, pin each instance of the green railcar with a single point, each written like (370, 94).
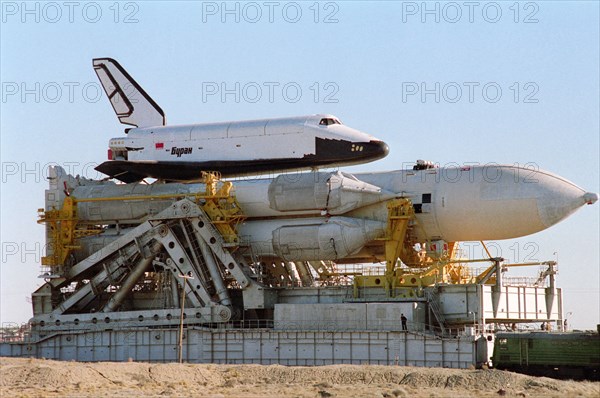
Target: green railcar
(562, 355)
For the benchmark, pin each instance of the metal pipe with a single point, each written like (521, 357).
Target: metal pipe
(304, 273)
(135, 274)
(498, 263)
(289, 267)
(215, 274)
(183, 282)
(180, 352)
(174, 291)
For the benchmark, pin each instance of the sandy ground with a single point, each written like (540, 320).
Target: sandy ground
(44, 378)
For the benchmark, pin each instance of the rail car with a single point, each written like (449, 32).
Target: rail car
(564, 355)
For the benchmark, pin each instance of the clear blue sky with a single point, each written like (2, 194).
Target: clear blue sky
(363, 66)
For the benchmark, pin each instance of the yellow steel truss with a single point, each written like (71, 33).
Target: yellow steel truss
(221, 206)
(421, 269)
(65, 229)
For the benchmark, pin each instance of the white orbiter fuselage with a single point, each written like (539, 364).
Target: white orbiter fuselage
(237, 148)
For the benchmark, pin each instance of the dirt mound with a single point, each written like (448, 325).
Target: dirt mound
(36, 377)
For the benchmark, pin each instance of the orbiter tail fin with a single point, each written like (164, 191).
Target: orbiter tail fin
(131, 103)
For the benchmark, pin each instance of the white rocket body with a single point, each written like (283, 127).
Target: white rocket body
(334, 216)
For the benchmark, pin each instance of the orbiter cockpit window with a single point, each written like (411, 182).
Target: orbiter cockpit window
(326, 121)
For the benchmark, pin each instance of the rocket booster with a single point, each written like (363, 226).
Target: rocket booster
(332, 216)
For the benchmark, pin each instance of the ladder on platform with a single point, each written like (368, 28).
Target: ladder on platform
(433, 300)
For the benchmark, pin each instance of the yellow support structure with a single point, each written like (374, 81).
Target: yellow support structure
(64, 231)
(400, 213)
(423, 269)
(222, 207)
(64, 227)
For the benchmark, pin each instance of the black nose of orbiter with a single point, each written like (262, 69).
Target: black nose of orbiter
(376, 149)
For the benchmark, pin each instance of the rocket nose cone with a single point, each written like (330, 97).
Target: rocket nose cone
(559, 198)
(590, 198)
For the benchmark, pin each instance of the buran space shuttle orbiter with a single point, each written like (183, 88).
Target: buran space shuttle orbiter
(237, 148)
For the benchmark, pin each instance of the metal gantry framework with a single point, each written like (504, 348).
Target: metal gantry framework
(184, 263)
(196, 235)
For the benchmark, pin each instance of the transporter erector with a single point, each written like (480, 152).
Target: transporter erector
(137, 269)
